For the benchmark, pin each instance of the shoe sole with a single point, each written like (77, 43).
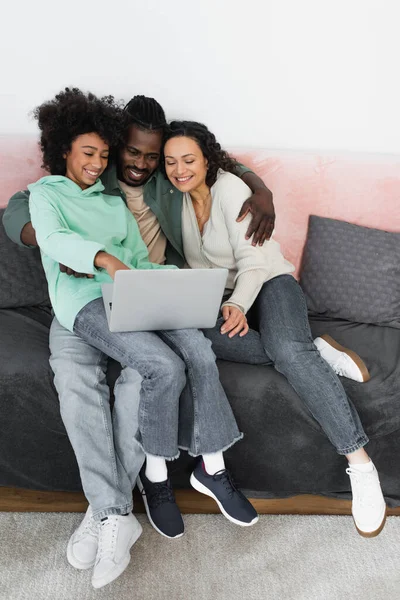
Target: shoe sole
(353, 355)
(197, 485)
(74, 562)
(143, 494)
(102, 581)
(372, 534)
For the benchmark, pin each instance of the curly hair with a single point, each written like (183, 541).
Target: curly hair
(146, 113)
(217, 157)
(73, 113)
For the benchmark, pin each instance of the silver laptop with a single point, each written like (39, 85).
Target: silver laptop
(149, 300)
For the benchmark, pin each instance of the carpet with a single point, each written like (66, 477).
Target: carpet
(282, 557)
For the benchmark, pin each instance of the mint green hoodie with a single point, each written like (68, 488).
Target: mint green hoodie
(71, 226)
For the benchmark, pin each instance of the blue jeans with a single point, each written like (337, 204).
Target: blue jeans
(108, 455)
(284, 339)
(166, 361)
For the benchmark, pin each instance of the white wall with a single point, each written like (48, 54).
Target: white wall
(312, 74)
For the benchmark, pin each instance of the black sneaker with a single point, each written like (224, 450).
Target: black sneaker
(161, 508)
(232, 503)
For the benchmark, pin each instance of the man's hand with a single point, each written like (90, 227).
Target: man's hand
(109, 263)
(28, 235)
(69, 271)
(261, 206)
(235, 321)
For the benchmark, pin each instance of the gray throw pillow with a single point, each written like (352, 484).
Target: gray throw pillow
(22, 279)
(352, 272)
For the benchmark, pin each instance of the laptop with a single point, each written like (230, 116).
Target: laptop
(150, 300)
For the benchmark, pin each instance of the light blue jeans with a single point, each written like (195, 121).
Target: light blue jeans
(108, 454)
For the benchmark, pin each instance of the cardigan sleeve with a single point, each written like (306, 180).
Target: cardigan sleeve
(252, 262)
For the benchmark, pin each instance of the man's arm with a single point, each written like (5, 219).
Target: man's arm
(260, 205)
(17, 220)
(18, 226)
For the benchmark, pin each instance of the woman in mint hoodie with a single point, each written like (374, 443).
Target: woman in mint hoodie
(90, 232)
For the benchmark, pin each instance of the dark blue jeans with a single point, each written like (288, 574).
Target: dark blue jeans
(284, 339)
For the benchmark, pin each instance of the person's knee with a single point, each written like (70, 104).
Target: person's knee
(170, 369)
(291, 352)
(199, 352)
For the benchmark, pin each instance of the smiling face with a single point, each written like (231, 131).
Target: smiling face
(185, 164)
(140, 156)
(86, 160)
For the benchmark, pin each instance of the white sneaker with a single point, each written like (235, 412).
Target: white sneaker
(343, 361)
(368, 507)
(117, 534)
(82, 545)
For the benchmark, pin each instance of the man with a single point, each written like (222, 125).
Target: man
(80, 369)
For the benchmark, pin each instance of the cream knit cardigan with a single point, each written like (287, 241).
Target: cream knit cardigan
(223, 243)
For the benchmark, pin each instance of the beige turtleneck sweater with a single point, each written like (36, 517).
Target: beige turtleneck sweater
(148, 224)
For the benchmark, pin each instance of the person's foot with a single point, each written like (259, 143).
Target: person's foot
(368, 507)
(233, 504)
(82, 545)
(161, 507)
(117, 534)
(343, 361)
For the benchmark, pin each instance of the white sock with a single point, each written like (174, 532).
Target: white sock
(363, 467)
(214, 462)
(156, 468)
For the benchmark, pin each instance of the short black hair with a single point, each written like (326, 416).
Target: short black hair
(72, 113)
(146, 113)
(217, 158)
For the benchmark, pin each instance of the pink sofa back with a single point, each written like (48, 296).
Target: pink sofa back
(360, 189)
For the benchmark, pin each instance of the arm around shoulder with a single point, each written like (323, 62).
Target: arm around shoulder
(17, 220)
(260, 204)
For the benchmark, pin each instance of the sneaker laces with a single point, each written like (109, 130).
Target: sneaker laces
(226, 479)
(159, 493)
(366, 492)
(90, 528)
(107, 537)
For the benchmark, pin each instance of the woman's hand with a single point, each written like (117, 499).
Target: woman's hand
(110, 263)
(235, 321)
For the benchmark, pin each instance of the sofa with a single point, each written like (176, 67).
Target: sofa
(284, 452)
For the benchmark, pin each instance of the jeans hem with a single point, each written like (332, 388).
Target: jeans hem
(115, 510)
(211, 450)
(360, 444)
(161, 455)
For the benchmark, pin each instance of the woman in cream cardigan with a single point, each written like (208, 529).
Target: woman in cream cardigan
(260, 286)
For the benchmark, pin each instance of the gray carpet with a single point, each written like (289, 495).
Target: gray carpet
(280, 558)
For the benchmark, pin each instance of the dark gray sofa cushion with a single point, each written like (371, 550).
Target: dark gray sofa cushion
(23, 282)
(35, 451)
(352, 272)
